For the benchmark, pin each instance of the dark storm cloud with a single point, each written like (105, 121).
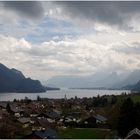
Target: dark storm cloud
(30, 9)
(111, 13)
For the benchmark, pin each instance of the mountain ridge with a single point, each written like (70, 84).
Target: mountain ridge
(12, 80)
(89, 81)
(111, 80)
(134, 87)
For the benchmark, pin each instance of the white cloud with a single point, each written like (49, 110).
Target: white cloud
(79, 44)
(75, 56)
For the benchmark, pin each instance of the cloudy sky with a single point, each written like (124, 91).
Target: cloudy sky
(44, 39)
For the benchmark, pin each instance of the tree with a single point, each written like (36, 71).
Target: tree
(8, 108)
(113, 99)
(76, 98)
(27, 100)
(113, 115)
(129, 117)
(99, 101)
(125, 123)
(8, 128)
(38, 98)
(14, 100)
(136, 114)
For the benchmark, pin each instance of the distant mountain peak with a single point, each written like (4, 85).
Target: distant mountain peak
(99, 79)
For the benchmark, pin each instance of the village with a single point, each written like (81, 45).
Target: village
(50, 118)
(49, 114)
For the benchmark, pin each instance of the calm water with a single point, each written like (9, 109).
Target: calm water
(60, 94)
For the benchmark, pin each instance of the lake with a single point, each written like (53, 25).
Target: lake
(60, 94)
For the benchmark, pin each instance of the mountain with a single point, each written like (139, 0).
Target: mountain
(135, 87)
(131, 79)
(12, 80)
(100, 79)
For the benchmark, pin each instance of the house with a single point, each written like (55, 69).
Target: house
(3, 105)
(68, 121)
(43, 134)
(43, 122)
(25, 121)
(17, 111)
(57, 111)
(42, 115)
(14, 108)
(88, 122)
(51, 120)
(72, 117)
(100, 119)
(53, 115)
(33, 115)
(75, 114)
(133, 134)
(3, 114)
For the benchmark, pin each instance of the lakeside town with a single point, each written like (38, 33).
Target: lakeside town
(69, 69)
(96, 117)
